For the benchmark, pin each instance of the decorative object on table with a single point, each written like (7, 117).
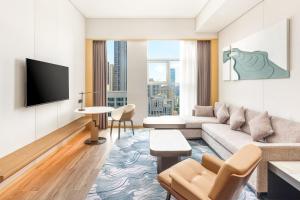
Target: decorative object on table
(264, 55)
(122, 114)
(213, 178)
(81, 99)
(95, 112)
(129, 172)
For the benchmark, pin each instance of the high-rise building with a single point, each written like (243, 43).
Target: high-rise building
(120, 66)
(172, 76)
(109, 77)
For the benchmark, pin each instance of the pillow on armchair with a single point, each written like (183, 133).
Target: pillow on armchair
(204, 111)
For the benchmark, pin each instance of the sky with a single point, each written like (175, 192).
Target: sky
(156, 49)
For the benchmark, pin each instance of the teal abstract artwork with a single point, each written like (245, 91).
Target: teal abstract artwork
(261, 55)
(253, 65)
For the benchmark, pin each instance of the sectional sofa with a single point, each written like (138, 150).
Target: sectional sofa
(283, 145)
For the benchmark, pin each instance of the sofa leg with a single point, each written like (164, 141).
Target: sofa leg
(262, 195)
(168, 196)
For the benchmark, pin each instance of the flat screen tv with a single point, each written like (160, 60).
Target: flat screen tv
(46, 82)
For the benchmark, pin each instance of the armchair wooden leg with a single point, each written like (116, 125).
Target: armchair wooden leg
(124, 126)
(168, 196)
(119, 130)
(111, 127)
(132, 127)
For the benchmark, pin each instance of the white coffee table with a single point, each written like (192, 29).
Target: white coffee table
(168, 146)
(95, 111)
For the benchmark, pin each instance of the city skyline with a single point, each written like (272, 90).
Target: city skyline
(157, 49)
(163, 76)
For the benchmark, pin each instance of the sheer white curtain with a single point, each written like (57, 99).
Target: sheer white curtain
(188, 77)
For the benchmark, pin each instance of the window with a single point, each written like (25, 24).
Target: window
(116, 73)
(163, 77)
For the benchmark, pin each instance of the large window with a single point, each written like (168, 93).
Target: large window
(163, 77)
(116, 73)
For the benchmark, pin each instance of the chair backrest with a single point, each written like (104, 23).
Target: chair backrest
(128, 112)
(235, 173)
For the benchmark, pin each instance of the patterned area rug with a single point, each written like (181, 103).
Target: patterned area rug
(130, 171)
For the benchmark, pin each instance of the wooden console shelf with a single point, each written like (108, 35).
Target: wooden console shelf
(19, 159)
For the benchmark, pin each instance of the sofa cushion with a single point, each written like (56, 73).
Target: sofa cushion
(196, 122)
(260, 127)
(230, 139)
(237, 119)
(204, 111)
(223, 114)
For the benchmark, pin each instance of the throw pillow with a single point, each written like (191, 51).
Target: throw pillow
(223, 114)
(237, 119)
(218, 105)
(260, 127)
(204, 111)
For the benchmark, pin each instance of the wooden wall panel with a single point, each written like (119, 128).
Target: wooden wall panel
(89, 72)
(214, 72)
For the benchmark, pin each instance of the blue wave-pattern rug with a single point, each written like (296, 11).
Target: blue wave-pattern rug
(129, 173)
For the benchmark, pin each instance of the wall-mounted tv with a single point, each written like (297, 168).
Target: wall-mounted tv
(46, 82)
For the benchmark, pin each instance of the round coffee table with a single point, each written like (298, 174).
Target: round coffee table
(95, 111)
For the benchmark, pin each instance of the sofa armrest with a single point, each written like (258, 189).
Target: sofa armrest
(273, 152)
(279, 151)
(212, 163)
(186, 189)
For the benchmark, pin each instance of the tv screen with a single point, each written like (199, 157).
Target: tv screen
(46, 82)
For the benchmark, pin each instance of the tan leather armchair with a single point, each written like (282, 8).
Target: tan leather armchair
(122, 114)
(214, 179)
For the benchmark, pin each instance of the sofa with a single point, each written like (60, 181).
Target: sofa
(283, 145)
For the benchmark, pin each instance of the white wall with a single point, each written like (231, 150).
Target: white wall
(280, 97)
(137, 92)
(48, 30)
(131, 29)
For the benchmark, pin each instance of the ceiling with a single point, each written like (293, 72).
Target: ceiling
(139, 8)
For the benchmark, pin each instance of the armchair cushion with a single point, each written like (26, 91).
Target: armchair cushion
(191, 172)
(186, 189)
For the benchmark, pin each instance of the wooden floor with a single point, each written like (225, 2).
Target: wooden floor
(66, 175)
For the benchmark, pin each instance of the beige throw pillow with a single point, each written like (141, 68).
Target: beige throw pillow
(260, 127)
(237, 118)
(218, 105)
(223, 114)
(204, 111)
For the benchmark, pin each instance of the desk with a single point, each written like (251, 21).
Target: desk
(95, 111)
(284, 180)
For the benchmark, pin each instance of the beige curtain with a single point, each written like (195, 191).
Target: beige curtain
(203, 77)
(99, 77)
